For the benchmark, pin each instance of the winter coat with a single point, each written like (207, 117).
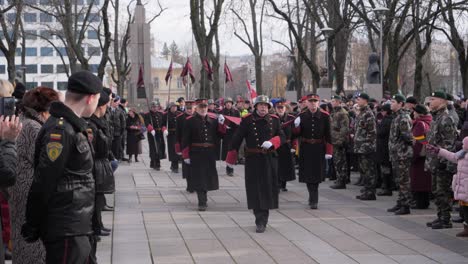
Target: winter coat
(421, 180)
(383, 134)
(460, 179)
(24, 252)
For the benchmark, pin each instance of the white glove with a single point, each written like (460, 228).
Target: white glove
(153, 133)
(187, 161)
(293, 151)
(267, 145)
(230, 165)
(165, 133)
(297, 121)
(221, 119)
(328, 156)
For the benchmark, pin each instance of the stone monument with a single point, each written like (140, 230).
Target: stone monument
(325, 87)
(140, 56)
(373, 87)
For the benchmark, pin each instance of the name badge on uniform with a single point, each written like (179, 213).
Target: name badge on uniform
(54, 149)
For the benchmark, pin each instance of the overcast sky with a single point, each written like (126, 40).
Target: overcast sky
(174, 24)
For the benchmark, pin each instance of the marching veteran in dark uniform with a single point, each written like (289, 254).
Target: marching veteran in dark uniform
(61, 199)
(198, 142)
(180, 121)
(228, 110)
(365, 145)
(286, 169)
(442, 134)
(313, 126)
(340, 136)
(263, 135)
(400, 146)
(155, 126)
(170, 121)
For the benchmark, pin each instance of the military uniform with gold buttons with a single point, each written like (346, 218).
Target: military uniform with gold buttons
(154, 121)
(261, 165)
(170, 120)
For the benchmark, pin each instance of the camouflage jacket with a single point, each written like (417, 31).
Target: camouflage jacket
(365, 137)
(443, 133)
(339, 126)
(400, 143)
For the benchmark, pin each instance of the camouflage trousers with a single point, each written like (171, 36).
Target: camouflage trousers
(442, 190)
(341, 163)
(368, 171)
(401, 170)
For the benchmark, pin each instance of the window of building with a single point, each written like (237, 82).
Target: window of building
(62, 86)
(31, 52)
(30, 34)
(47, 68)
(94, 17)
(47, 51)
(156, 82)
(45, 34)
(179, 82)
(62, 50)
(31, 68)
(31, 2)
(30, 17)
(45, 2)
(45, 17)
(81, 17)
(2, 69)
(18, 51)
(48, 84)
(31, 85)
(61, 68)
(11, 17)
(2, 2)
(80, 2)
(95, 2)
(92, 34)
(94, 68)
(94, 51)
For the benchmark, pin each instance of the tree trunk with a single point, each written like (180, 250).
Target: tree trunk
(391, 74)
(298, 83)
(258, 75)
(418, 75)
(341, 50)
(11, 65)
(464, 76)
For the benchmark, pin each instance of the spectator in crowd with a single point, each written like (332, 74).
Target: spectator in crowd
(383, 158)
(421, 180)
(134, 134)
(35, 111)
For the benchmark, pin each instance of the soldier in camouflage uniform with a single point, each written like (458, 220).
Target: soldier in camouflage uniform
(442, 134)
(339, 136)
(400, 146)
(365, 141)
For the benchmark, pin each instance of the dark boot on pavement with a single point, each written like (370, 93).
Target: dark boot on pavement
(394, 208)
(384, 192)
(260, 228)
(404, 210)
(366, 197)
(457, 219)
(338, 186)
(442, 224)
(429, 224)
(463, 233)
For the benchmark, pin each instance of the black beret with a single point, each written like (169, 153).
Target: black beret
(439, 94)
(449, 97)
(420, 109)
(84, 82)
(336, 97)
(364, 96)
(107, 90)
(104, 99)
(399, 98)
(411, 100)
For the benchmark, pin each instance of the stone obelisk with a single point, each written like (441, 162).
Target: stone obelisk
(139, 52)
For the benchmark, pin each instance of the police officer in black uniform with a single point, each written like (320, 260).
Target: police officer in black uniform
(198, 143)
(61, 199)
(155, 126)
(263, 135)
(170, 121)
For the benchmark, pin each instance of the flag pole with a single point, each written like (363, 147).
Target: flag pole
(170, 81)
(224, 83)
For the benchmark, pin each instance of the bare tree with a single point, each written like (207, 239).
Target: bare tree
(10, 34)
(452, 16)
(204, 38)
(253, 37)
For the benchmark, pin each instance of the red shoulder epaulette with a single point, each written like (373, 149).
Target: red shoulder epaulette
(188, 117)
(289, 115)
(274, 116)
(180, 114)
(325, 112)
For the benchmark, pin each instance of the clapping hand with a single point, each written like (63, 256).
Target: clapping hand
(10, 127)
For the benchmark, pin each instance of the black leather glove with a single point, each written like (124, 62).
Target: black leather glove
(29, 233)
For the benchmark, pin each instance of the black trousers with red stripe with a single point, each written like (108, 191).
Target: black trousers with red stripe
(68, 250)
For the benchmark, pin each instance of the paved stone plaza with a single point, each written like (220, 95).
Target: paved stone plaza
(156, 221)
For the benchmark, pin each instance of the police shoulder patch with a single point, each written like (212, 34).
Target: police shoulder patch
(54, 150)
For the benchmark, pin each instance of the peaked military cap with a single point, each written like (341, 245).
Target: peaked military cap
(399, 98)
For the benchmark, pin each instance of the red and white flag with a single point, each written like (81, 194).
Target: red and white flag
(208, 69)
(227, 72)
(252, 92)
(187, 70)
(169, 73)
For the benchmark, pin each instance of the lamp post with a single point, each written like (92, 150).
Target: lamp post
(327, 32)
(380, 13)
